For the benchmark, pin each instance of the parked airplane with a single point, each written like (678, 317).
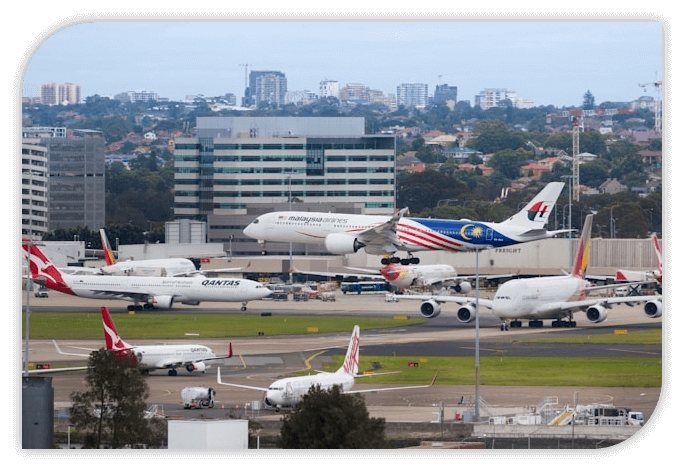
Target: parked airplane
(152, 291)
(408, 277)
(153, 267)
(654, 276)
(287, 392)
(380, 235)
(547, 297)
(155, 357)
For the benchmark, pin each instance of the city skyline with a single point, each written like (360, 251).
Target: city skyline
(551, 62)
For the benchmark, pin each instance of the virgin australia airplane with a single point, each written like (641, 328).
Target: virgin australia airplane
(546, 297)
(287, 392)
(153, 291)
(381, 235)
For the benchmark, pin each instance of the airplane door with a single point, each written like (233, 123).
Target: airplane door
(289, 392)
(489, 234)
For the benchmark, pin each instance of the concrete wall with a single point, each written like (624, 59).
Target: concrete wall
(208, 435)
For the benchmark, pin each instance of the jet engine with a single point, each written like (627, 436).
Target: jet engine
(597, 313)
(653, 308)
(199, 367)
(161, 302)
(463, 287)
(430, 309)
(466, 313)
(340, 244)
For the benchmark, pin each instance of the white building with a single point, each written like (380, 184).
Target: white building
(412, 94)
(329, 88)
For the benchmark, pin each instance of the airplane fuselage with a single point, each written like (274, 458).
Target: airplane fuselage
(160, 267)
(161, 356)
(288, 392)
(182, 289)
(404, 276)
(414, 234)
(537, 298)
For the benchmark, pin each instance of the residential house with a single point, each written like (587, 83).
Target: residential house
(611, 186)
(460, 153)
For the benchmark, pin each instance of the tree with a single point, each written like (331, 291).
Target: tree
(589, 101)
(117, 390)
(330, 419)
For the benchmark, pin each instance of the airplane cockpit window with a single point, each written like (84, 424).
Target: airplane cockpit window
(256, 221)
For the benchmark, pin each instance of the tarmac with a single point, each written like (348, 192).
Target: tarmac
(259, 360)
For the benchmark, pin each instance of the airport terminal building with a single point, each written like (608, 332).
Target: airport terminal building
(238, 168)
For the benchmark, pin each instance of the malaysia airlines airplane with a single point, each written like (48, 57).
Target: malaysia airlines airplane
(152, 291)
(547, 297)
(287, 392)
(381, 235)
(154, 357)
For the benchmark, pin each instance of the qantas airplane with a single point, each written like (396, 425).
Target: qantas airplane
(547, 297)
(152, 291)
(287, 392)
(381, 235)
(154, 357)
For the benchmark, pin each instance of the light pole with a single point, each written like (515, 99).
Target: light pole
(477, 335)
(612, 222)
(569, 177)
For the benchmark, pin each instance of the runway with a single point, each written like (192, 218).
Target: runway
(260, 360)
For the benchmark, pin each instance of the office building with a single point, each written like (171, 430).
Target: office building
(445, 93)
(237, 164)
(76, 177)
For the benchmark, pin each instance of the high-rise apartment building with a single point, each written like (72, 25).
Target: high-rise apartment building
(445, 93)
(34, 189)
(137, 95)
(492, 97)
(60, 94)
(268, 87)
(412, 94)
(329, 88)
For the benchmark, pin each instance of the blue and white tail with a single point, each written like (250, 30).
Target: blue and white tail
(351, 361)
(536, 213)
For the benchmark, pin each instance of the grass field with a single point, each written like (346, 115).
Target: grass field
(509, 371)
(176, 326)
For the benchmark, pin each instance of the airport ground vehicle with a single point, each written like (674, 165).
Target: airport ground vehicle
(365, 287)
(41, 292)
(195, 396)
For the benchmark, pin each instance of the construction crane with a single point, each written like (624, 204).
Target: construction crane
(657, 84)
(245, 66)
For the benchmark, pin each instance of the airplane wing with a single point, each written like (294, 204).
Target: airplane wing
(59, 350)
(57, 370)
(574, 305)
(383, 235)
(448, 299)
(391, 389)
(216, 270)
(218, 380)
(368, 273)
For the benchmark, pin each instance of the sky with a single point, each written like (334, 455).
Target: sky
(548, 62)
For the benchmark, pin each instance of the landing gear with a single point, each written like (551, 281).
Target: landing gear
(404, 261)
(244, 307)
(516, 324)
(173, 372)
(504, 326)
(135, 307)
(562, 323)
(536, 323)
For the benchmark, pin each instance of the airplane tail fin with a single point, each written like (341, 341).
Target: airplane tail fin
(659, 253)
(536, 213)
(108, 254)
(112, 339)
(43, 272)
(582, 257)
(351, 361)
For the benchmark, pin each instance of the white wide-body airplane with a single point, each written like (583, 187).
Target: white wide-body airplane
(381, 235)
(547, 297)
(155, 357)
(287, 392)
(151, 291)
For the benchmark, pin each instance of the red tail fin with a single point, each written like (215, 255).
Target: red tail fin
(112, 339)
(43, 271)
(230, 352)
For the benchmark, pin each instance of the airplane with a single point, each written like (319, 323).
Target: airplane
(155, 357)
(654, 276)
(166, 266)
(381, 235)
(402, 277)
(547, 297)
(153, 291)
(287, 392)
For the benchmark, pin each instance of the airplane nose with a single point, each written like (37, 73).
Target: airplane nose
(249, 231)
